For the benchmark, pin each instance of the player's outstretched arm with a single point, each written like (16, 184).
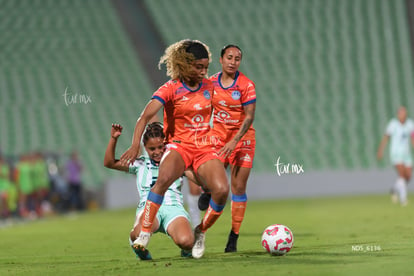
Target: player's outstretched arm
(383, 144)
(109, 159)
(150, 111)
(412, 139)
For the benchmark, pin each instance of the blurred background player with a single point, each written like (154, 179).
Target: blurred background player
(74, 181)
(401, 132)
(186, 99)
(42, 184)
(172, 219)
(26, 186)
(5, 184)
(234, 103)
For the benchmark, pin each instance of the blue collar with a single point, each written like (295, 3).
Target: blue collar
(186, 87)
(235, 79)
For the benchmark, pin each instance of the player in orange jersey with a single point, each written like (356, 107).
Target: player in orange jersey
(186, 99)
(234, 103)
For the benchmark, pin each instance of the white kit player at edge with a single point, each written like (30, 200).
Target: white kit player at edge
(400, 131)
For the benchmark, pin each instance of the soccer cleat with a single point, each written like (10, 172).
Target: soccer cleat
(204, 201)
(142, 241)
(199, 247)
(394, 198)
(186, 253)
(142, 254)
(232, 242)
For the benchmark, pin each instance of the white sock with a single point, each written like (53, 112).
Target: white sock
(401, 188)
(192, 203)
(130, 241)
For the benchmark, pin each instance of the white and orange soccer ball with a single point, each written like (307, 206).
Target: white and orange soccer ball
(277, 239)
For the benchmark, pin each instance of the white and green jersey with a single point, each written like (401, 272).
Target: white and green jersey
(400, 135)
(147, 174)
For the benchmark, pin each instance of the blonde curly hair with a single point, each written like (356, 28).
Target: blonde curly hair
(178, 60)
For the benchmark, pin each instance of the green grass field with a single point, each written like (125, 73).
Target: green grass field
(364, 235)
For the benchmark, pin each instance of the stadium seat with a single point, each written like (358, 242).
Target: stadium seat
(50, 46)
(329, 74)
(319, 67)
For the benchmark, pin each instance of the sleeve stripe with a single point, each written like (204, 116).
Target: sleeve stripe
(159, 99)
(249, 102)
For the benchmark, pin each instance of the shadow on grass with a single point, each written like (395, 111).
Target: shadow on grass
(257, 258)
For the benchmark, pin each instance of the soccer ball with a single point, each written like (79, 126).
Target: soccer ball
(277, 239)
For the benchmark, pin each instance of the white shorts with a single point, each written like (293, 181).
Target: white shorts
(166, 214)
(399, 158)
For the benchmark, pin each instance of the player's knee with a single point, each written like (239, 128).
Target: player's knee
(185, 241)
(220, 193)
(238, 188)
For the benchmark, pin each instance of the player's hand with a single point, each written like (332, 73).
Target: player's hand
(227, 149)
(116, 130)
(129, 156)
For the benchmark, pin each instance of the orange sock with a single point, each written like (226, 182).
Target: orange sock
(237, 215)
(210, 218)
(148, 216)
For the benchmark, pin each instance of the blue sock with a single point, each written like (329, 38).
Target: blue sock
(216, 207)
(156, 198)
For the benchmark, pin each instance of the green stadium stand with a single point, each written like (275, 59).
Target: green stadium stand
(329, 74)
(49, 47)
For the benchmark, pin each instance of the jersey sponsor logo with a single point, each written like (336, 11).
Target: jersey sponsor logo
(197, 119)
(236, 95)
(222, 103)
(246, 158)
(223, 116)
(198, 122)
(206, 94)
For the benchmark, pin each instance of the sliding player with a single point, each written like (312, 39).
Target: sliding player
(172, 219)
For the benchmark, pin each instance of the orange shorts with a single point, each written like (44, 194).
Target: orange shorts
(193, 156)
(242, 155)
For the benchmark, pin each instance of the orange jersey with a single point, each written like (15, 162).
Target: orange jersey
(229, 105)
(187, 112)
